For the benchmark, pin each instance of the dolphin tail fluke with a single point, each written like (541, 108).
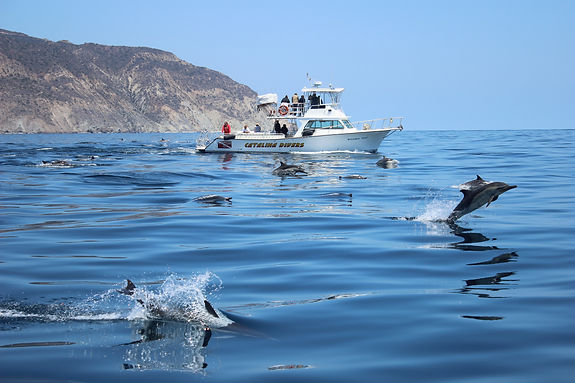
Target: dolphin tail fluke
(210, 309)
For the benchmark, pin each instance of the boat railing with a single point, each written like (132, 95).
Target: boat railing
(259, 135)
(293, 110)
(205, 138)
(394, 123)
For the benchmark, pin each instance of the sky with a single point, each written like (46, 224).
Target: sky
(458, 64)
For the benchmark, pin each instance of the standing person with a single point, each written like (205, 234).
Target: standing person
(285, 100)
(285, 130)
(295, 103)
(301, 104)
(277, 127)
(258, 128)
(246, 129)
(226, 129)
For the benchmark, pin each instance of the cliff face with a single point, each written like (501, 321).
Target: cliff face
(50, 86)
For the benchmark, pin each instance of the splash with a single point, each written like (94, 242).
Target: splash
(179, 299)
(176, 299)
(435, 211)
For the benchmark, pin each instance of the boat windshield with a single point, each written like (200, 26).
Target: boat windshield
(348, 124)
(324, 124)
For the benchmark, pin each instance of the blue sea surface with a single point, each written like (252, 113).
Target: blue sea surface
(327, 278)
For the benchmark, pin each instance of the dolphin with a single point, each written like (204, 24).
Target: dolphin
(154, 309)
(477, 193)
(388, 163)
(58, 164)
(213, 198)
(288, 170)
(215, 318)
(353, 177)
(158, 312)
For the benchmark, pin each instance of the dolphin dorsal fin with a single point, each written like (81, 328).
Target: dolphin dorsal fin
(130, 285)
(129, 289)
(465, 192)
(479, 178)
(282, 163)
(210, 309)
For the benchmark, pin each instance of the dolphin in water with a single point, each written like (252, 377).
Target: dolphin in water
(477, 193)
(353, 177)
(288, 170)
(57, 164)
(157, 312)
(208, 316)
(213, 198)
(388, 163)
(155, 309)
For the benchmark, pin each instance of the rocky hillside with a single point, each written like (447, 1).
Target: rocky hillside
(48, 86)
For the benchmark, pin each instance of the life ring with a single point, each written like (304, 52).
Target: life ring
(283, 110)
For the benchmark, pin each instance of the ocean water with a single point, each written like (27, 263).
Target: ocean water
(320, 285)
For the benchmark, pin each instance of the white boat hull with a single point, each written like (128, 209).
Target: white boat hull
(359, 141)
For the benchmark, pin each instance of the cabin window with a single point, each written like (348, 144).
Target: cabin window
(348, 124)
(324, 124)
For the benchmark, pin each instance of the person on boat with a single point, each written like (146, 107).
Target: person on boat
(301, 99)
(313, 99)
(277, 127)
(258, 128)
(285, 99)
(284, 129)
(226, 129)
(246, 129)
(294, 99)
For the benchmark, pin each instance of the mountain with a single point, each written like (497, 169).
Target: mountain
(49, 87)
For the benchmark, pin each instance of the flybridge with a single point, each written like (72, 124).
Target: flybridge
(316, 97)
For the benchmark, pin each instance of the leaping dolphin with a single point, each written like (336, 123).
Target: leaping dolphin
(477, 193)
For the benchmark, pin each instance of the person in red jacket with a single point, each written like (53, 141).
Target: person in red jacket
(226, 129)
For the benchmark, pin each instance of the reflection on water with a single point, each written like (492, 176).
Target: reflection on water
(487, 286)
(482, 317)
(503, 258)
(157, 345)
(168, 346)
(469, 239)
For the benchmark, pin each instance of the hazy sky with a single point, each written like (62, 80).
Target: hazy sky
(461, 64)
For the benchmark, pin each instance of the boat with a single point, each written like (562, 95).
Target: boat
(318, 124)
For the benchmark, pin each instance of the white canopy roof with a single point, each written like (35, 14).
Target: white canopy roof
(322, 90)
(268, 98)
